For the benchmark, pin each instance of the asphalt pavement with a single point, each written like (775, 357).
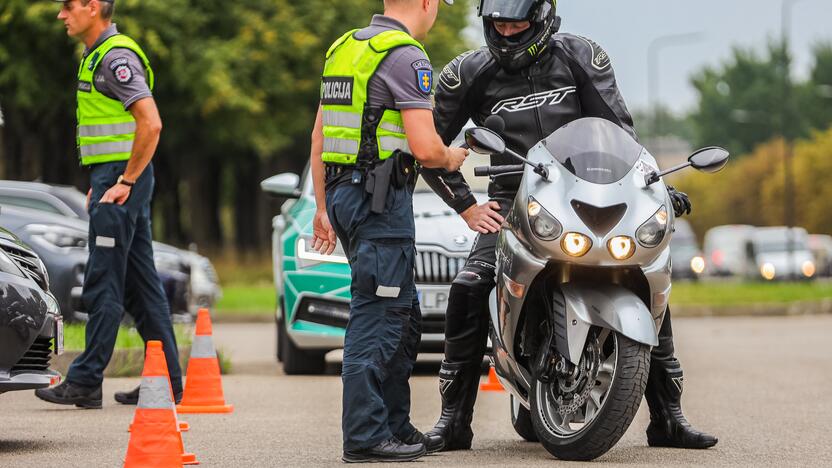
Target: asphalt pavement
(761, 384)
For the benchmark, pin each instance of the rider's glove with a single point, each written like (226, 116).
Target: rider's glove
(680, 200)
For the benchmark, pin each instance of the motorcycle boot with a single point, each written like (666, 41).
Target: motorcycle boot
(458, 385)
(432, 443)
(668, 426)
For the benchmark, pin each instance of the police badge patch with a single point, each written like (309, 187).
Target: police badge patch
(424, 79)
(123, 73)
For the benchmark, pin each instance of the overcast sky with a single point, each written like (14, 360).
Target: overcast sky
(626, 29)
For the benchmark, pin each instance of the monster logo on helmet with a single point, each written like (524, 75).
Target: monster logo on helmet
(522, 49)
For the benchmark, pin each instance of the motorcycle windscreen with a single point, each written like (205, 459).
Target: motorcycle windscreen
(595, 150)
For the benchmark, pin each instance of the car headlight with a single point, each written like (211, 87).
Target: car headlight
(808, 269)
(697, 264)
(768, 271)
(304, 251)
(651, 233)
(543, 224)
(575, 244)
(58, 237)
(621, 247)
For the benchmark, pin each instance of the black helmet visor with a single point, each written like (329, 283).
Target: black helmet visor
(508, 10)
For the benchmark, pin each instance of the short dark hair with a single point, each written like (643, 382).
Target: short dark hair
(107, 8)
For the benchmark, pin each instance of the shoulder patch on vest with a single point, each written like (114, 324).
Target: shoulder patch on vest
(425, 80)
(337, 90)
(123, 73)
(600, 58)
(421, 65)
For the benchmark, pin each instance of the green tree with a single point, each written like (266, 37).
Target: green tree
(746, 101)
(237, 87)
(816, 93)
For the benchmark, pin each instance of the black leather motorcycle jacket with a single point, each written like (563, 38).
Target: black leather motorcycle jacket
(573, 80)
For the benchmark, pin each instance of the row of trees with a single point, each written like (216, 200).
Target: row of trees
(750, 189)
(237, 87)
(748, 99)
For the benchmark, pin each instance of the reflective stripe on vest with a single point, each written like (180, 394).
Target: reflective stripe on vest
(105, 129)
(350, 65)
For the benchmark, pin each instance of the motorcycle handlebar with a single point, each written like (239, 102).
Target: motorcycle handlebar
(492, 171)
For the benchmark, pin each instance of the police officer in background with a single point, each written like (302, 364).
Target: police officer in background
(118, 130)
(375, 113)
(537, 81)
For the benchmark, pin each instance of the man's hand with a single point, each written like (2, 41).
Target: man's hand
(483, 218)
(118, 194)
(324, 239)
(680, 200)
(456, 157)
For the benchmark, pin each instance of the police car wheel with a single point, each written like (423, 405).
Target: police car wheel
(298, 361)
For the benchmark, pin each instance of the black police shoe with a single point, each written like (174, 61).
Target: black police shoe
(391, 450)
(71, 394)
(432, 443)
(132, 397)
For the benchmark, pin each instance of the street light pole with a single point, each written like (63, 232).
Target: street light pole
(788, 182)
(653, 50)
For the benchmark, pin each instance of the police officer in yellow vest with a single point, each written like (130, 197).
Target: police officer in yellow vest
(375, 119)
(118, 130)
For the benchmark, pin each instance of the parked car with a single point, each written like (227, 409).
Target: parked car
(67, 200)
(31, 329)
(783, 253)
(821, 247)
(313, 290)
(686, 257)
(729, 251)
(61, 241)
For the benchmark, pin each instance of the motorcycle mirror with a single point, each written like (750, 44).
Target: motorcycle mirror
(283, 185)
(710, 160)
(484, 141)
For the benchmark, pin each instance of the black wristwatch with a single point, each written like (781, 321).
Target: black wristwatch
(123, 181)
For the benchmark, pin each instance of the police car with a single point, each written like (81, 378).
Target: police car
(313, 290)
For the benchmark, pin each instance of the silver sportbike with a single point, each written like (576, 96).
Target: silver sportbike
(583, 281)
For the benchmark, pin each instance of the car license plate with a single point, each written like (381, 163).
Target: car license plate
(434, 300)
(59, 335)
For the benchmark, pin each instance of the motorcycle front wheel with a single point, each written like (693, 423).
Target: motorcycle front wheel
(582, 416)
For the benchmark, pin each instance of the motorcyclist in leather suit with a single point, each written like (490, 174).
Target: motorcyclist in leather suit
(537, 80)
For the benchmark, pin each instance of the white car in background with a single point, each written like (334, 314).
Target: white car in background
(729, 251)
(783, 253)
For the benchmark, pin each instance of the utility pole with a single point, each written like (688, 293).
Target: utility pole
(788, 182)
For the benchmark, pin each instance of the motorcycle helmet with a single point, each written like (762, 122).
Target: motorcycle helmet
(520, 50)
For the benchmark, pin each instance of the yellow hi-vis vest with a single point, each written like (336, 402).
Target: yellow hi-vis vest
(354, 132)
(105, 130)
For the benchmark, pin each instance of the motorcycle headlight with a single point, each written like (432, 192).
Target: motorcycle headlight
(58, 237)
(621, 247)
(651, 233)
(543, 224)
(304, 251)
(575, 244)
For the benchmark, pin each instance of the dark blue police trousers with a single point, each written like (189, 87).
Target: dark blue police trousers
(384, 328)
(120, 273)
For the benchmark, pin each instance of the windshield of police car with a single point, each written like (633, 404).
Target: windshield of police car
(595, 150)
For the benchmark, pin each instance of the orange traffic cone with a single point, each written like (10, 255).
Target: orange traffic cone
(203, 383)
(155, 439)
(493, 384)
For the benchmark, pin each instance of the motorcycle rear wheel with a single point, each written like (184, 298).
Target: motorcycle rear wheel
(623, 371)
